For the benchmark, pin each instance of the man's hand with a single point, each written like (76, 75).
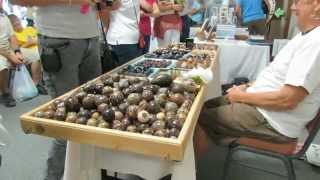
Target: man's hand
(16, 58)
(234, 93)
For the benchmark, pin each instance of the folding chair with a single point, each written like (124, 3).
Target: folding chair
(285, 152)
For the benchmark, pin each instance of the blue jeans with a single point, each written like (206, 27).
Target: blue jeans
(125, 52)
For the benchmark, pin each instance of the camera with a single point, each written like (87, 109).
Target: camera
(108, 2)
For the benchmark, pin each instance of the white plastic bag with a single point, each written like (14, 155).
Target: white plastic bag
(23, 87)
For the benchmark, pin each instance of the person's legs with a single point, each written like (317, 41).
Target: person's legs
(220, 120)
(147, 44)
(126, 52)
(55, 161)
(90, 67)
(5, 93)
(186, 24)
(32, 57)
(72, 54)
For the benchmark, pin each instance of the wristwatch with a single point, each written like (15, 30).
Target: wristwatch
(17, 50)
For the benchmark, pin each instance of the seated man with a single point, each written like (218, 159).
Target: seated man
(282, 100)
(27, 41)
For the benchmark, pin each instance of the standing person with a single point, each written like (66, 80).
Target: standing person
(69, 50)
(186, 20)
(251, 14)
(196, 13)
(27, 40)
(167, 27)
(123, 29)
(145, 23)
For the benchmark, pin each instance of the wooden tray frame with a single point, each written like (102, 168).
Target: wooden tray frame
(166, 148)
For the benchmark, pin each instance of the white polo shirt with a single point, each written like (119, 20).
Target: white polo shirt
(297, 64)
(123, 26)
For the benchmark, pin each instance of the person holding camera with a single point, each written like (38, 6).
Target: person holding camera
(123, 29)
(69, 50)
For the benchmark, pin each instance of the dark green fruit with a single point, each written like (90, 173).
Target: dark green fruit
(88, 102)
(123, 107)
(72, 104)
(171, 107)
(162, 80)
(108, 115)
(84, 113)
(134, 98)
(153, 107)
(107, 90)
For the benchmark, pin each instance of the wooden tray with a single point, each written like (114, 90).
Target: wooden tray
(169, 149)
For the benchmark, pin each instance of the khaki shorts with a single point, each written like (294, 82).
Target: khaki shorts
(221, 119)
(30, 56)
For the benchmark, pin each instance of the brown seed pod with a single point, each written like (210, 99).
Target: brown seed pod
(148, 131)
(171, 107)
(92, 122)
(49, 114)
(107, 90)
(118, 115)
(102, 107)
(88, 102)
(153, 107)
(147, 95)
(134, 98)
(158, 125)
(116, 98)
(132, 111)
(104, 124)
(132, 128)
(39, 114)
(143, 116)
(71, 117)
(177, 98)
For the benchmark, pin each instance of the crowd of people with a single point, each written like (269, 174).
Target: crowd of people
(276, 107)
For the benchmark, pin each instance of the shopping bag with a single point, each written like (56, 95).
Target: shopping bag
(108, 61)
(23, 87)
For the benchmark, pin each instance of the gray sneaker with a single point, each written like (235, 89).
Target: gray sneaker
(8, 100)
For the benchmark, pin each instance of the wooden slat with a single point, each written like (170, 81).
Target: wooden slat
(166, 148)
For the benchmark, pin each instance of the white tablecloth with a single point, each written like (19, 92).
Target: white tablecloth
(240, 59)
(84, 162)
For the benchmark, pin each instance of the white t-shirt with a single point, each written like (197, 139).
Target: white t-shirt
(6, 31)
(66, 21)
(123, 27)
(297, 64)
